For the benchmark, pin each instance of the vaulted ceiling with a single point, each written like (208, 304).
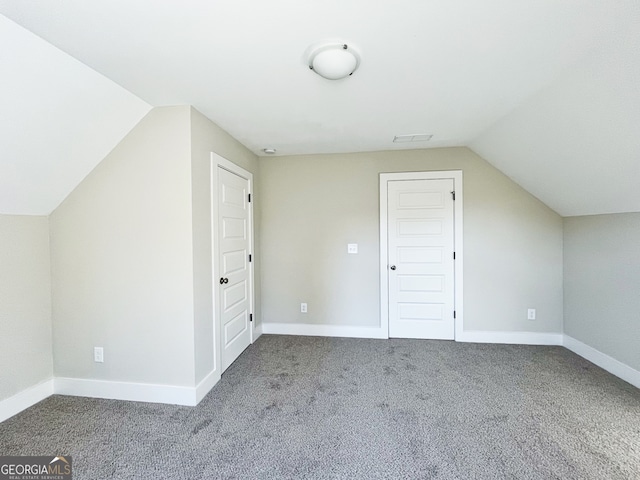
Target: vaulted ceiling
(546, 90)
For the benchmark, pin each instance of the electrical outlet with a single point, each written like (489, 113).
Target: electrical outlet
(352, 248)
(98, 354)
(531, 314)
(303, 308)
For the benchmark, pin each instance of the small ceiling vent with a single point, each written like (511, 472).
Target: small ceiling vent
(416, 137)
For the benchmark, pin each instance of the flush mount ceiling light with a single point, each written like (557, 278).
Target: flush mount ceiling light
(269, 151)
(333, 60)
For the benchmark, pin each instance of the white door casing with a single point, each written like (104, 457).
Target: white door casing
(420, 229)
(232, 222)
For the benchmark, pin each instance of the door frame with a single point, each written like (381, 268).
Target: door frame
(220, 162)
(385, 178)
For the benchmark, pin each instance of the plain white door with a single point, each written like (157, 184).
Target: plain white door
(234, 243)
(421, 258)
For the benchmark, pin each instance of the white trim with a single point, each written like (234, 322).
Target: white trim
(258, 330)
(191, 396)
(206, 385)
(26, 398)
(316, 330)
(610, 364)
(384, 254)
(213, 192)
(514, 338)
(220, 162)
(456, 176)
(136, 392)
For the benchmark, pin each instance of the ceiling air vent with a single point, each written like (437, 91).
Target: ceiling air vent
(416, 137)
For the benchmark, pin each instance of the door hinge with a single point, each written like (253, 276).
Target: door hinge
(454, 255)
(249, 198)
(249, 257)
(251, 317)
(454, 314)
(453, 194)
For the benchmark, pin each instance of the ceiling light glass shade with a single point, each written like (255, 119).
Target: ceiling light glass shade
(334, 61)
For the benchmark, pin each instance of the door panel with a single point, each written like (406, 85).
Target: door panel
(234, 261)
(235, 327)
(409, 257)
(234, 244)
(421, 245)
(421, 283)
(407, 228)
(234, 295)
(234, 228)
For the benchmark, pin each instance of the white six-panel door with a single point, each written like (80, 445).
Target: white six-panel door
(421, 258)
(234, 282)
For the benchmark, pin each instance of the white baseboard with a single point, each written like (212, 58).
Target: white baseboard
(514, 338)
(305, 329)
(257, 331)
(21, 401)
(136, 392)
(315, 330)
(604, 361)
(191, 396)
(206, 385)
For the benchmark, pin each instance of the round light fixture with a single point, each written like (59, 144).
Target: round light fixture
(333, 61)
(269, 151)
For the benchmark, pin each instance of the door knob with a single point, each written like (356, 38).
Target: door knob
(392, 267)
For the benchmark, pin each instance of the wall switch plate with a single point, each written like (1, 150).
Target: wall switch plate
(98, 354)
(303, 308)
(531, 314)
(352, 248)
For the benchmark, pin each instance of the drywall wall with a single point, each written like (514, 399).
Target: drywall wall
(312, 206)
(25, 303)
(122, 261)
(601, 279)
(207, 137)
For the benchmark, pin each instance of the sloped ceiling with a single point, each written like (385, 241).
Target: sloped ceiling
(59, 119)
(576, 143)
(519, 82)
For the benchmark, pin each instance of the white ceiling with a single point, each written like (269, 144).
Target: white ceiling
(512, 79)
(58, 120)
(576, 143)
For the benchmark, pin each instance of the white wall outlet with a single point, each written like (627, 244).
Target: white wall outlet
(531, 314)
(303, 308)
(352, 248)
(98, 354)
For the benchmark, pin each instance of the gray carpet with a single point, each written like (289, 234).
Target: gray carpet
(296, 407)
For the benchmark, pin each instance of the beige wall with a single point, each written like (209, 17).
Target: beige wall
(131, 255)
(128, 266)
(25, 303)
(207, 137)
(314, 205)
(122, 258)
(601, 280)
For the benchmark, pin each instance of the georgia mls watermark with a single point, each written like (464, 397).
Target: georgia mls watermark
(35, 468)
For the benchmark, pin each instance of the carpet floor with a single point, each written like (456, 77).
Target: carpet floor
(307, 407)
